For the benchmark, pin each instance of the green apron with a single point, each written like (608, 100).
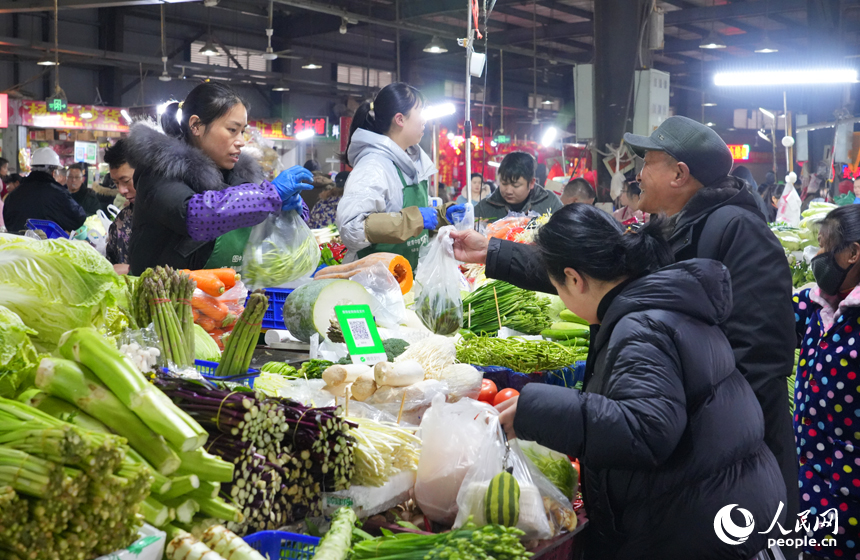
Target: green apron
(229, 249)
(413, 195)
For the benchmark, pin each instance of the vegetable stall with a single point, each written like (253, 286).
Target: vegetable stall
(145, 414)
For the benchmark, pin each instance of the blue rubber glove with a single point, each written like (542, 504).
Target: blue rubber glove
(289, 183)
(431, 218)
(455, 213)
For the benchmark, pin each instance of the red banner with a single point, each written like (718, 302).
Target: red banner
(81, 117)
(4, 110)
(272, 130)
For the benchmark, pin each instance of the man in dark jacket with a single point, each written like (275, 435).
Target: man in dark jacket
(518, 191)
(40, 197)
(712, 215)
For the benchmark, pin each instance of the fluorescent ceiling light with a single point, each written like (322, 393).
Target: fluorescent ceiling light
(549, 136)
(710, 124)
(437, 111)
(546, 102)
(305, 134)
(709, 104)
(786, 77)
(767, 113)
(763, 135)
(126, 116)
(86, 115)
(712, 41)
(494, 164)
(435, 46)
(280, 88)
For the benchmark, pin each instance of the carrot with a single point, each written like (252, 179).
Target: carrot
(227, 275)
(211, 307)
(208, 282)
(229, 321)
(208, 323)
(196, 314)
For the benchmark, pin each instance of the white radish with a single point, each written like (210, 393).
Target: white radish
(364, 386)
(399, 374)
(337, 390)
(338, 374)
(186, 547)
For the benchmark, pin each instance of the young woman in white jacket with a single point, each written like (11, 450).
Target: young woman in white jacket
(386, 206)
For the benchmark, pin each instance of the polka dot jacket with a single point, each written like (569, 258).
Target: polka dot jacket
(827, 416)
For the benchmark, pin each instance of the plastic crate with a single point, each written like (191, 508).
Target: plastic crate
(280, 545)
(207, 370)
(274, 317)
(52, 229)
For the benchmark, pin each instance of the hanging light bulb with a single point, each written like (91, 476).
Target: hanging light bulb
(435, 46)
(312, 65)
(209, 48)
(46, 61)
(165, 77)
(712, 41)
(342, 26)
(767, 46)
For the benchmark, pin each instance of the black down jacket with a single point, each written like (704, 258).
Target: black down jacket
(668, 431)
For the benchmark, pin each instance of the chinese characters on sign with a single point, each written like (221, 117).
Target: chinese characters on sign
(86, 152)
(318, 124)
(273, 130)
(81, 117)
(740, 152)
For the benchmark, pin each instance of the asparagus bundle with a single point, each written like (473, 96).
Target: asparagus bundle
(285, 454)
(241, 343)
(51, 511)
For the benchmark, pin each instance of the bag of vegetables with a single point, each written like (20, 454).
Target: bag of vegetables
(438, 304)
(280, 249)
(218, 301)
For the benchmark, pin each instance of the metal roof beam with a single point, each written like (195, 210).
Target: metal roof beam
(16, 6)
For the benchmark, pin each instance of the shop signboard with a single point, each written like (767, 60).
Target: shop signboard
(271, 130)
(740, 152)
(4, 110)
(318, 124)
(86, 152)
(79, 117)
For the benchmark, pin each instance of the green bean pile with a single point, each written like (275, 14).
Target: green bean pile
(518, 354)
(518, 309)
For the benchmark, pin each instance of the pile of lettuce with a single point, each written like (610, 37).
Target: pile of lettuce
(18, 356)
(57, 285)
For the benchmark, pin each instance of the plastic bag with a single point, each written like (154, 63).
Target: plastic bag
(415, 399)
(438, 304)
(509, 226)
(218, 315)
(142, 347)
(788, 210)
(280, 249)
(453, 435)
(387, 307)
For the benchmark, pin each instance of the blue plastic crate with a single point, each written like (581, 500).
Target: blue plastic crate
(280, 545)
(207, 370)
(52, 229)
(274, 317)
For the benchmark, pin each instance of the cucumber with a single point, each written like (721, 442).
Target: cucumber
(574, 342)
(310, 309)
(571, 317)
(566, 331)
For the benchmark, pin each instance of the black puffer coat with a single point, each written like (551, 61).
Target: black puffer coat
(668, 431)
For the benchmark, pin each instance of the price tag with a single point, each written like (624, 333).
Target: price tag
(359, 332)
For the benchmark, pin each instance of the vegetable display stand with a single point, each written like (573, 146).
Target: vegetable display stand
(207, 370)
(280, 545)
(52, 230)
(274, 317)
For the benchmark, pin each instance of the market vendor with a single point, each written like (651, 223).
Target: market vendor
(518, 191)
(667, 430)
(119, 234)
(76, 182)
(197, 194)
(386, 204)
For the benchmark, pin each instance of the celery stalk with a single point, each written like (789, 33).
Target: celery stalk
(180, 486)
(185, 508)
(155, 513)
(207, 467)
(74, 384)
(218, 508)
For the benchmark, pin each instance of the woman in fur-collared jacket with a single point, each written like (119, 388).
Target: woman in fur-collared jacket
(198, 195)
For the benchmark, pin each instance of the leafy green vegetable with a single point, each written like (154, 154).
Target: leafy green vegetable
(394, 347)
(313, 369)
(17, 354)
(205, 348)
(555, 466)
(56, 285)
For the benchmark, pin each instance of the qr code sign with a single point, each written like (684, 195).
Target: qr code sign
(360, 334)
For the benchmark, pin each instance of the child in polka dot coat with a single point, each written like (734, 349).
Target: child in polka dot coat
(827, 388)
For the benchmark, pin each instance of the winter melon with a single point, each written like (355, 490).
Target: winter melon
(502, 500)
(310, 308)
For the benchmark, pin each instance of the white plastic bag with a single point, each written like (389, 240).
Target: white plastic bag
(495, 457)
(387, 306)
(280, 249)
(452, 435)
(438, 304)
(788, 209)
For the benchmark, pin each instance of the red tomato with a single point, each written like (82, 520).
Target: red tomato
(488, 391)
(504, 395)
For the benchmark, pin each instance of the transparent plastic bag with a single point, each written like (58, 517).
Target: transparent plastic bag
(453, 435)
(280, 249)
(218, 315)
(495, 457)
(415, 399)
(142, 347)
(387, 307)
(510, 225)
(438, 304)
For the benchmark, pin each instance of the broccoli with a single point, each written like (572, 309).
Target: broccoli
(394, 347)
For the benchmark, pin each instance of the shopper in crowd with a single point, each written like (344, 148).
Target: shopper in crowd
(518, 191)
(629, 213)
(578, 190)
(321, 183)
(40, 197)
(541, 174)
(771, 197)
(745, 175)
(119, 235)
(711, 215)
(827, 389)
(106, 192)
(11, 183)
(386, 203)
(665, 418)
(856, 190)
(816, 191)
(4, 172)
(61, 175)
(324, 212)
(477, 184)
(76, 182)
(197, 194)
(312, 165)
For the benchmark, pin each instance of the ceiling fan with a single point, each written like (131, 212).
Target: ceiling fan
(271, 54)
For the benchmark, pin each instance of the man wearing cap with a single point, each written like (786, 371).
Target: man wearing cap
(40, 197)
(711, 215)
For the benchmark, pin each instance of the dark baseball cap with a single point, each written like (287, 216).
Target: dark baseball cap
(690, 142)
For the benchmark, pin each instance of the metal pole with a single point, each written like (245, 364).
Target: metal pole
(467, 125)
(789, 151)
(397, 37)
(502, 91)
(436, 157)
